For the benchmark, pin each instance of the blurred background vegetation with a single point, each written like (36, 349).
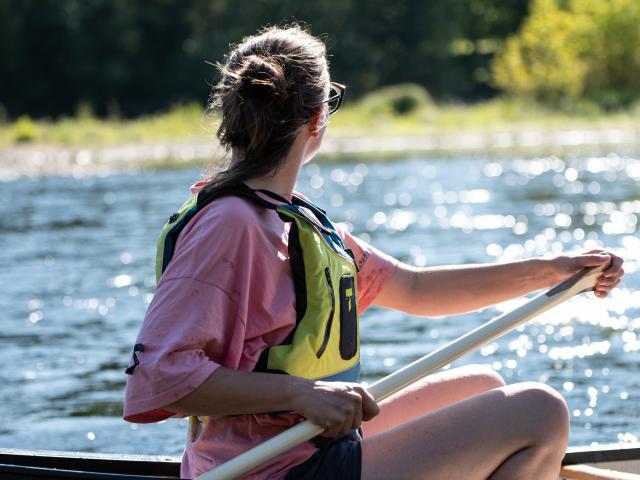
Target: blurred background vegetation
(103, 71)
(567, 51)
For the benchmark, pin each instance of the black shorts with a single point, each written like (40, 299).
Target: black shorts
(337, 459)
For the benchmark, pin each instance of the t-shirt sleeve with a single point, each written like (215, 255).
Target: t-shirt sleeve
(182, 326)
(374, 267)
(193, 324)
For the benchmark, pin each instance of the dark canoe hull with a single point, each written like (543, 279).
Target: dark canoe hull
(39, 464)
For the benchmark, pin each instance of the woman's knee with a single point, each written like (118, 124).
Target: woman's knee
(484, 377)
(547, 409)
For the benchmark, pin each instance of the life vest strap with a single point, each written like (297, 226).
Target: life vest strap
(206, 196)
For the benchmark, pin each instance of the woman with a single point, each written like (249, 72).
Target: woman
(253, 326)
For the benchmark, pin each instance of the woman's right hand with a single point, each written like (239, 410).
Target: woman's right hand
(337, 406)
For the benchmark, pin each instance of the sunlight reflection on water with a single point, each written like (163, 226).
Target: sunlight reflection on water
(78, 276)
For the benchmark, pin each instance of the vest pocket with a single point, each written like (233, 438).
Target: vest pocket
(348, 318)
(327, 330)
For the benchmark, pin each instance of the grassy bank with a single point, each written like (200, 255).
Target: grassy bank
(392, 112)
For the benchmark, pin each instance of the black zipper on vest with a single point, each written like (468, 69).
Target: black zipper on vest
(327, 330)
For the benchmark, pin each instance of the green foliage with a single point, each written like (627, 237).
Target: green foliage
(84, 111)
(613, 51)
(184, 122)
(189, 123)
(543, 59)
(402, 99)
(569, 49)
(24, 130)
(128, 58)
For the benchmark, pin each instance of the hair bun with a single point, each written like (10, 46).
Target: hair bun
(262, 78)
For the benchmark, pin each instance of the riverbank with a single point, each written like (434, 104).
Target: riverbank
(39, 160)
(367, 130)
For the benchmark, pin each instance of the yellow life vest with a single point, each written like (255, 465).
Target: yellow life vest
(324, 344)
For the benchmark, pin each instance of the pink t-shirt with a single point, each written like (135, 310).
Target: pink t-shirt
(226, 295)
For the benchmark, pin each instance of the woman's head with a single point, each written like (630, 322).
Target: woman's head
(272, 84)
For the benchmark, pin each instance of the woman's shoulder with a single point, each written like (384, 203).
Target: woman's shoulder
(229, 208)
(227, 220)
(232, 208)
(223, 230)
(236, 222)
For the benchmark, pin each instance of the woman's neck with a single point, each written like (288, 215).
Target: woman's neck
(284, 179)
(280, 182)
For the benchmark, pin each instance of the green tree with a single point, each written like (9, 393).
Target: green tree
(137, 57)
(612, 50)
(569, 49)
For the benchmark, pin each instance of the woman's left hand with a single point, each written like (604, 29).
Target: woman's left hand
(565, 266)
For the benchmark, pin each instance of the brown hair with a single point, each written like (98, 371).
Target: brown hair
(271, 85)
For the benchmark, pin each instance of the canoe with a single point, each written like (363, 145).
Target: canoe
(583, 463)
(604, 462)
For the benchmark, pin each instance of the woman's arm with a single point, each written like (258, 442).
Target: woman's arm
(231, 392)
(339, 406)
(452, 290)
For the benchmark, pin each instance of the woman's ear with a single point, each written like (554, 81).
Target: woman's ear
(318, 121)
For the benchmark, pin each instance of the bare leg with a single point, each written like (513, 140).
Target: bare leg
(431, 393)
(513, 432)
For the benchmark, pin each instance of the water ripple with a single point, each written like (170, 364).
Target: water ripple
(77, 274)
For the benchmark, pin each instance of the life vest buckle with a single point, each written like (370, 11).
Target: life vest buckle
(138, 347)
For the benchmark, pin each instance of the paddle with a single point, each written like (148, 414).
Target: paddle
(583, 281)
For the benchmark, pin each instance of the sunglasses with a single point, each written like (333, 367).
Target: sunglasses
(336, 94)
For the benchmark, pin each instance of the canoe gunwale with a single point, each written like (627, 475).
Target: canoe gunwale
(18, 463)
(95, 466)
(21, 471)
(602, 453)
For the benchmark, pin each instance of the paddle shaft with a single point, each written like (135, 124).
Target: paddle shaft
(584, 280)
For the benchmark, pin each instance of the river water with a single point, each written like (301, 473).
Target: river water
(76, 270)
